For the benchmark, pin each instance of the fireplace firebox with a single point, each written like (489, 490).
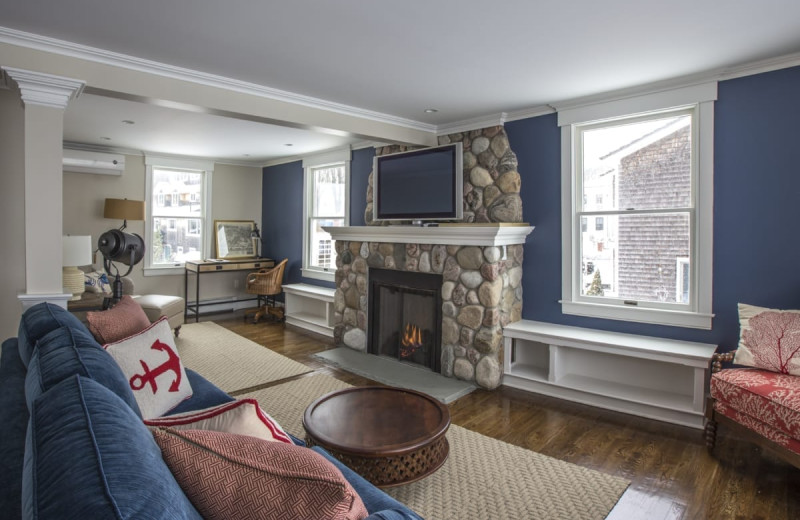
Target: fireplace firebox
(405, 320)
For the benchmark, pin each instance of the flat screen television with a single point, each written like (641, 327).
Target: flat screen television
(425, 184)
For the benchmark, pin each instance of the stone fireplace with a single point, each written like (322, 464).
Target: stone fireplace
(480, 291)
(405, 316)
(478, 262)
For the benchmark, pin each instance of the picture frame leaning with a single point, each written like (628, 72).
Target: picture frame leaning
(233, 239)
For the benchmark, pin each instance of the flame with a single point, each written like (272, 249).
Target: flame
(412, 340)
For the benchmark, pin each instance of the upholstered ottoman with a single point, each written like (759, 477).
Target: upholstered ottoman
(157, 305)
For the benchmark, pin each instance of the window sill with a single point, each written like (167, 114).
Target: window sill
(670, 318)
(164, 271)
(316, 274)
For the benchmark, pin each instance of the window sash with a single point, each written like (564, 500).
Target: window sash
(698, 313)
(315, 264)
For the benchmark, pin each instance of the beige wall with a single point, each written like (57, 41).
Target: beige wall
(236, 194)
(12, 211)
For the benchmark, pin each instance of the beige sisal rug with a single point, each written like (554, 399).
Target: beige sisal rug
(230, 361)
(482, 478)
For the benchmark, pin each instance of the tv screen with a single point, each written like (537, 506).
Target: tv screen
(424, 184)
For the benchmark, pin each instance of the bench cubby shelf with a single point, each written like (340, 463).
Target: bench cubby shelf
(310, 307)
(651, 377)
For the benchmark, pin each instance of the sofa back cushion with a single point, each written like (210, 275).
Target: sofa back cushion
(89, 456)
(67, 351)
(37, 322)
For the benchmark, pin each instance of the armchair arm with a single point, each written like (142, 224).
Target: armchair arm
(718, 358)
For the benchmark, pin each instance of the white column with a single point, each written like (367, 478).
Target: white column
(45, 97)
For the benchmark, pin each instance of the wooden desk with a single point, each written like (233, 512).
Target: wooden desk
(199, 267)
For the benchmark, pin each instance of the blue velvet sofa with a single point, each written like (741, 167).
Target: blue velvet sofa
(72, 442)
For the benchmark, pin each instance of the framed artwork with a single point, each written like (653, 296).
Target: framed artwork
(232, 239)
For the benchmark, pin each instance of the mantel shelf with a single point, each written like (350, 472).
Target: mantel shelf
(460, 235)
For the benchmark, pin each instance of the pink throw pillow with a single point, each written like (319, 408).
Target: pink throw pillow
(124, 319)
(234, 476)
(769, 340)
(151, 363)
(243, 417)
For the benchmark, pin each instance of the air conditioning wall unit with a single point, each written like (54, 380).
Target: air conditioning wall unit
(81, 161)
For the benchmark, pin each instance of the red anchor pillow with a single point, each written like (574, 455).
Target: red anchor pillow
(153, 368)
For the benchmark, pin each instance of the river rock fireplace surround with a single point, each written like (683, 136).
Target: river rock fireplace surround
(480, 268)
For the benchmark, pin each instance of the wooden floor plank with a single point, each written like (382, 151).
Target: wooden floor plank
(672, 476)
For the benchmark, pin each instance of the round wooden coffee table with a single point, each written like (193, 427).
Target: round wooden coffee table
(389, 436)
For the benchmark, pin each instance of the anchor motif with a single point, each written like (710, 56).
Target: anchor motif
(138, 381)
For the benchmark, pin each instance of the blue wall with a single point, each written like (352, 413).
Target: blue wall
(282, 210)
(756, 208)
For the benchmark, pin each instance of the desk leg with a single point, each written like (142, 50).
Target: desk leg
(197, 297)
(186, 294)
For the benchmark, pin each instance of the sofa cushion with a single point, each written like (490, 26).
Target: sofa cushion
(205, 394)
(38, 321)
(769, 339)
(125, 319)
(769, 397)
(153, 369)
(761, 428)
(229, 476)
(89, 456)
(13, 421)
(243, 417)
(68, 351)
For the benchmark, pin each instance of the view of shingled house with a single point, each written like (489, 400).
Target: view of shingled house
(643, 257)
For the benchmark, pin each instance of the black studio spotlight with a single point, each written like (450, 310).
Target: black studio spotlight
(125, 248)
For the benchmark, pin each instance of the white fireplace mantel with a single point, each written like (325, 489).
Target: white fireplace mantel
(459, 235)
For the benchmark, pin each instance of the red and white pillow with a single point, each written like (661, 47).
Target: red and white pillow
(122, 320)
(243, 417)
(153, 368)
(769, 339)
(235, 476)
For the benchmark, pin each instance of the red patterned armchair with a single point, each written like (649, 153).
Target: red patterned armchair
(761, 402)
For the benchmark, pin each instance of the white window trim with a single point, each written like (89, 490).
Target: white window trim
(324, 159)
(208, 223)
(702, 96)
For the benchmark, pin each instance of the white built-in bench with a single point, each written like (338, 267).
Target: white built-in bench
(651, 377)
(310, 307)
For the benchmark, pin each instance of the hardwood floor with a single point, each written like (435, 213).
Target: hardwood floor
(672, 475)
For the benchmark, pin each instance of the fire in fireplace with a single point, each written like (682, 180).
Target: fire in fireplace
(405, 316)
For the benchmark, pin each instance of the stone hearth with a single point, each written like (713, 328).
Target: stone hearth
(481, 291)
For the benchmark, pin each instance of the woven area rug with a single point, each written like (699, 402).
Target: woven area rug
(482, 477)
(230, 361)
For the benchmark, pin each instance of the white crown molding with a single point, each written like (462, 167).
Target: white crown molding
(95, 55)
(527, 113)
(39, 88)
(475, 123)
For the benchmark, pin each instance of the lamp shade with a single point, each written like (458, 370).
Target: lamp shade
(76, 250)
(124, 209)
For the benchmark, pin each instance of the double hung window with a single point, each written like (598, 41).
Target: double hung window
(177, 208)
(640, 170)
(327, 188)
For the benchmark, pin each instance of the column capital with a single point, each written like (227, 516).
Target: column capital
(39, 88)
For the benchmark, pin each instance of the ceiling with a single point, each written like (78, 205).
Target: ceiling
(467, 59)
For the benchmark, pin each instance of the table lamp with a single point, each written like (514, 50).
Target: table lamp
(124, 209)
(75, 251)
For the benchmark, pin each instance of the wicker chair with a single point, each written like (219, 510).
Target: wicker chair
(266, 283)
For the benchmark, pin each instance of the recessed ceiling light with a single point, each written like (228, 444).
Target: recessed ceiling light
(431, 110)
(128, 122)
(288, 144)
(245, 155)
(105, 138)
